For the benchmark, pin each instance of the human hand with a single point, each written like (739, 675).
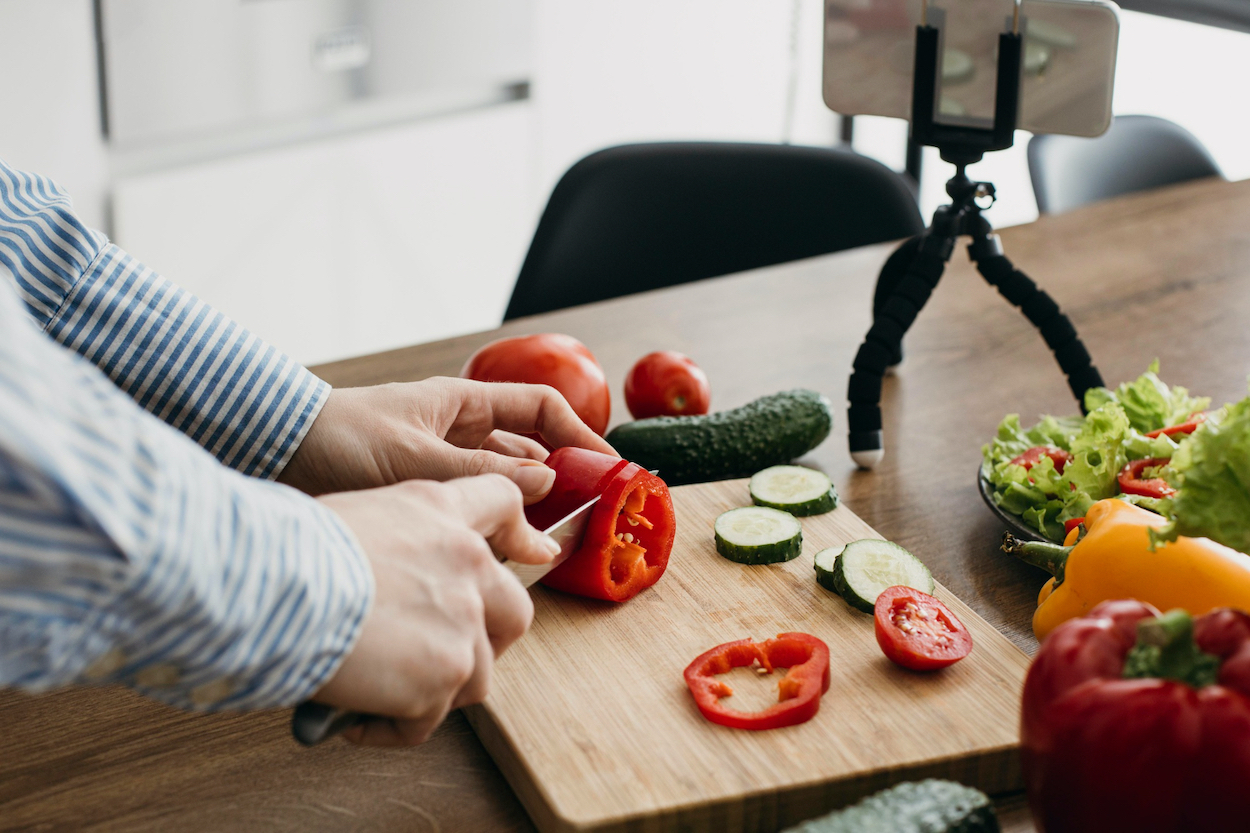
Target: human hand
(436, 429)
(445, 606)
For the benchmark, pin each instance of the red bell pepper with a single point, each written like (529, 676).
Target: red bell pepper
(1131, 482)
(798, 692)
(1195, 419)
(1136, 721)
(630, 532)
(1034, 455)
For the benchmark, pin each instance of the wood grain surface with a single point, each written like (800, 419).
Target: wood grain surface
(591, 722)
(1163, 274)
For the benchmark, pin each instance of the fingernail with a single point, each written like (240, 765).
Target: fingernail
(534, 480)
(551, 545)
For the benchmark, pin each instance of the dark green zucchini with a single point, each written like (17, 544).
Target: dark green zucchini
(737, 443)
(929, 806)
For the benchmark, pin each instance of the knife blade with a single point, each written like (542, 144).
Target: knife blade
(313, 723)
(568, 532)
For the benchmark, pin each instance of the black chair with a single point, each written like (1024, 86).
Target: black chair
(645, 216)
(1137, 153)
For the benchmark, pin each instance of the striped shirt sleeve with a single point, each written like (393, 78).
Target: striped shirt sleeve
(128, 554)
(180, 359)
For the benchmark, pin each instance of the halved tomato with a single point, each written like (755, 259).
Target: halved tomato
(917, 631)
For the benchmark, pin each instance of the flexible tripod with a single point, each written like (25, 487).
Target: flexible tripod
(912, 272)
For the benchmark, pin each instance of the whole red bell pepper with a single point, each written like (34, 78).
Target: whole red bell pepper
(1136, 721)
(630, 532)
(798, 692)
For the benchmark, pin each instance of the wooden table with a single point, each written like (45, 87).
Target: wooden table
(1165, 275)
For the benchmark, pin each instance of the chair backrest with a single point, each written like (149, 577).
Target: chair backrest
(1137, 153)
(644, 216)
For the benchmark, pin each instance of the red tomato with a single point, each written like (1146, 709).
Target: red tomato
(1031, 457)
(548, 359)
(666, 383)
(917, 631)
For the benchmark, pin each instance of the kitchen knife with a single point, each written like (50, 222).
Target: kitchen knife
(314, 722)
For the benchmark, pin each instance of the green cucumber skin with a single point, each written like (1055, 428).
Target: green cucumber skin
(825, 578)
(930, 806)
(826, 503)
(838, 580)
(782, 551)
(736, 443)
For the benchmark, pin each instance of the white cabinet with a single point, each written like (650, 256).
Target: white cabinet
(349, 245)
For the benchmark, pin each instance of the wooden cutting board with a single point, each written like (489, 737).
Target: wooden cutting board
(593, 726)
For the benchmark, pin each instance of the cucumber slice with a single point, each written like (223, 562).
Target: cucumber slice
(824, 567)
(866, 568)
(794, 489)
(758, 535)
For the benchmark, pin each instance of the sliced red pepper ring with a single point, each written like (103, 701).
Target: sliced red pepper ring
(1033, 456)
(630, 532)
(1131, 482)
(1195, 419)
(806, 659)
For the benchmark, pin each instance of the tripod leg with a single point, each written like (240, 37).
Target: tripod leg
(1041, 310)
(892, 274)
(891, 319)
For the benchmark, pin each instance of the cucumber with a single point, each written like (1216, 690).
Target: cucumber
(824, 567)
(865, 568)
(758, 535)
(794, 489)
(736, 443)
(929, 806)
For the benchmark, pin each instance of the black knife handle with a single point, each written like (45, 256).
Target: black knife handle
(314, 722)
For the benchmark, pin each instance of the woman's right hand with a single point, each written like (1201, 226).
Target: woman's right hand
(444, 607)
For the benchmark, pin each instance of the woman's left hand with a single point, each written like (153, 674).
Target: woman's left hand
(436, 429)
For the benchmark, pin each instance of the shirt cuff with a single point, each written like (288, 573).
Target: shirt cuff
(237, 396)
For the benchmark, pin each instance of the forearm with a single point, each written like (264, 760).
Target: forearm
(129, 555)
(180, 359)
(177, 357)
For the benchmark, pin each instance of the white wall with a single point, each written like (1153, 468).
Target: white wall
(656, 69)
(49, 110)
(605, 73)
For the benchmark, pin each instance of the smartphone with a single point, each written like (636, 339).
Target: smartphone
(1067, 77)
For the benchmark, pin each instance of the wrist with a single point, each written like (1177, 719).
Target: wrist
(308, 467)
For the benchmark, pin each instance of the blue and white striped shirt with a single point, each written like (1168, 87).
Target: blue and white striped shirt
(127, 553)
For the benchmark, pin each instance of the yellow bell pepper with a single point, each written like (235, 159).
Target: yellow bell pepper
(1114, 561)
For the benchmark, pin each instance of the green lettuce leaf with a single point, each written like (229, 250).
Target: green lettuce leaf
(1098, 451)
(1149, 403)
(1211, 471)
(1101, 444)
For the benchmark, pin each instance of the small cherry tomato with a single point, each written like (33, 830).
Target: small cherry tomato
(1131, 482)
(1031, 457)
(548, 359)
(666, 383)
(917, 631)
